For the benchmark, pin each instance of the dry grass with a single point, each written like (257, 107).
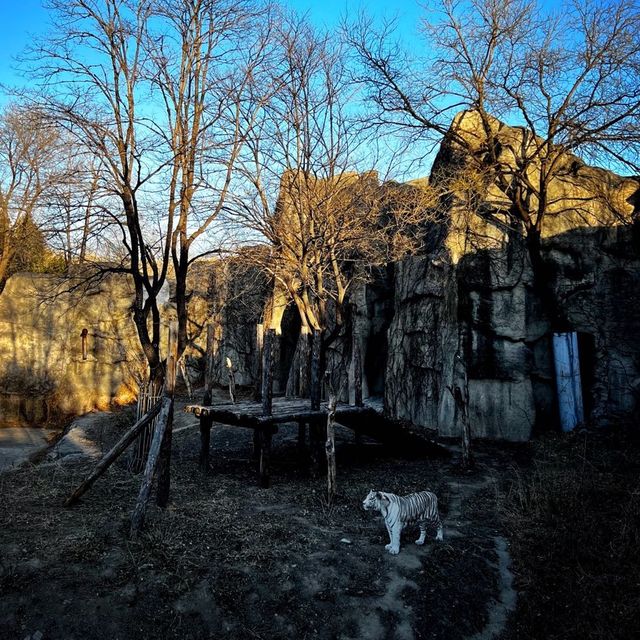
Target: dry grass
(226, 559)
(574, 523)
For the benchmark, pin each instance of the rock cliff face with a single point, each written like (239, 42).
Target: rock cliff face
(475, 293)
(238, 292)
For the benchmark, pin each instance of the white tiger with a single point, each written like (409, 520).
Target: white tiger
(398, 511)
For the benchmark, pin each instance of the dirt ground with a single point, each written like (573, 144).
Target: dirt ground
(229, 560)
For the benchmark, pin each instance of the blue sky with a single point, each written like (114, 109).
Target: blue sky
(22, 20)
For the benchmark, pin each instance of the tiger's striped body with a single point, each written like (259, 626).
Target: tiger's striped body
(399, 511)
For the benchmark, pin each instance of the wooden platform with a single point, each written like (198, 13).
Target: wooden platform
(367, 420)
(249, 414)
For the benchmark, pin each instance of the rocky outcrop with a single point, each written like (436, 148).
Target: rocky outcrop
(474, 293)
(422, 341)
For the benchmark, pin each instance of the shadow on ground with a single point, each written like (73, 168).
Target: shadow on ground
(229, 560)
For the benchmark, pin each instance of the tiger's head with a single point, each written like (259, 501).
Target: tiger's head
(373, 501)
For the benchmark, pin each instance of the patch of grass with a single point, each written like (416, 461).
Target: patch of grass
(574, 523)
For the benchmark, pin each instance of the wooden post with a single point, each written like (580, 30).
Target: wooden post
(330, 445)
(357, 380)
(164, 471)
(209, 364)
(205, 441)
(205, 421)
(149, 393)
(265, 455)
(256, 446)
(298, 378)
(232, 380)
(315, 429)
(302, 436)
(109, 458)
(137, 517)
(185, 377)
(357, 371)
(262, 436)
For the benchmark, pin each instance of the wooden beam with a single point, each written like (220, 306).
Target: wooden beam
(109, 458)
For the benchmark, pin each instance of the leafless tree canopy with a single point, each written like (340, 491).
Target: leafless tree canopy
(173, 116)
(567, 76)
(29, 173)
(311, 191)
(150, 94)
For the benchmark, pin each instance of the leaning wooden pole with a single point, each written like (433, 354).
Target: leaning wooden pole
(109, 458)
(137, 517)
(160, 450)
(164, 462)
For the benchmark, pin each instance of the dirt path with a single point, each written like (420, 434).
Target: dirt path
(18, 444)
(504, 601)
(228, 560)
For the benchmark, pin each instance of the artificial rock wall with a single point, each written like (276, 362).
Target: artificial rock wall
(474, 292)
(42, 369)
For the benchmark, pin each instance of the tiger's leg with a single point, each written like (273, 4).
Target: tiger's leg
(388, 546)
(396, 530)
(438, 523)
(423, 532)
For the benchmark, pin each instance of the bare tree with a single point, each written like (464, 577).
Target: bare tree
(151, 90)
(566, 76)
(325, 218)
(28, 174)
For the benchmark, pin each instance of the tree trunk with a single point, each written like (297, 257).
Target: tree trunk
(267, 372)
(298, 379)
(316, 373)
